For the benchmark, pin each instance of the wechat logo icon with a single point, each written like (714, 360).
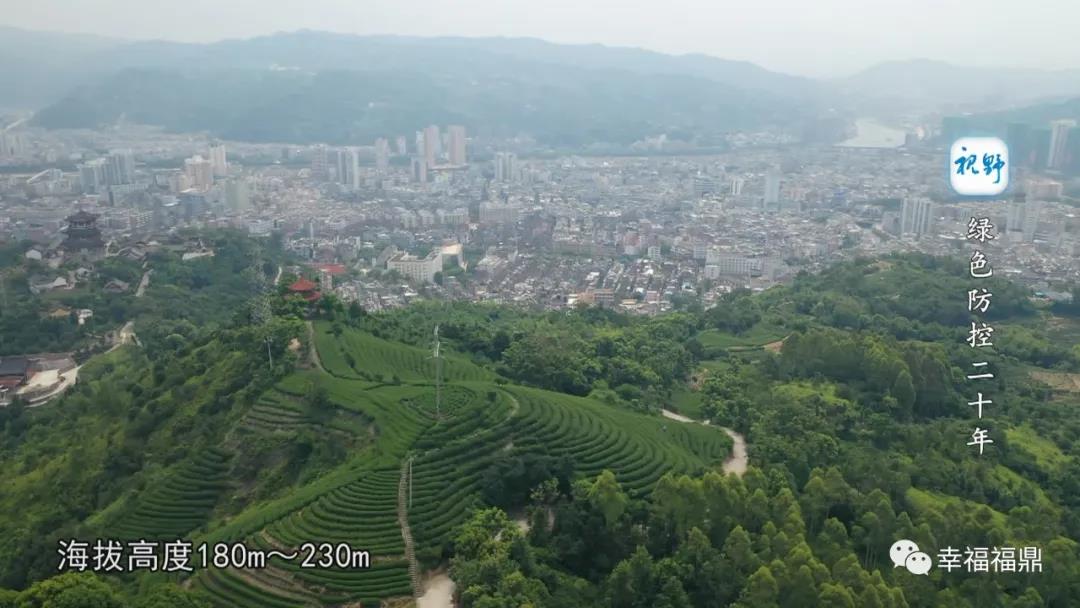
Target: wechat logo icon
(905, 553)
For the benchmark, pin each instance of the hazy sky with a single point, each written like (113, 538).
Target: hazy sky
(810, 37)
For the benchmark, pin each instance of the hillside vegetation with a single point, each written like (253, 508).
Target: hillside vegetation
(856, 425)
(487, 443)
(558, 106)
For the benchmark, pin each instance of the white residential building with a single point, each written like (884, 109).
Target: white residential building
(419, 270)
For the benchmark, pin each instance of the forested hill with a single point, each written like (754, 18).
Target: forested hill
(557, 105)
(307, 87)
(849, 387)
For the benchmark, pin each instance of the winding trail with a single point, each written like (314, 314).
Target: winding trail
(143, 283)
(438, 592)
(403, 521)
(738, 461)
(314, 355)
(126, 335)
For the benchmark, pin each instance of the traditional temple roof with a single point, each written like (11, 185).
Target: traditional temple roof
(82, 232)
(14, 366)
(334, 269)
(82, 216)
(303, 285)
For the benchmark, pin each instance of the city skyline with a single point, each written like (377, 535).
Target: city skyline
(775, 35)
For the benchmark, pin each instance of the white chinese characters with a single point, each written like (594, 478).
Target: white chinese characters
(182, 556)
(980, 230)
(991, 559)
(972, 560)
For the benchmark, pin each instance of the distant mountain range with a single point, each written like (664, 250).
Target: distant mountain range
(317, 86)
(559, 106)
(38, 67)
(924, 83)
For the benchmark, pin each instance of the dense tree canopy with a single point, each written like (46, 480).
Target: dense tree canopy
(849, 388)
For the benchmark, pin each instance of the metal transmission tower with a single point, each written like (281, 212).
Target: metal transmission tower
(261, 308)
(438, 377)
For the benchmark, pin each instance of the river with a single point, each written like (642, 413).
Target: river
(872, 134)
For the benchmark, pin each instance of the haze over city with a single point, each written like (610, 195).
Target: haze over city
(828, 38)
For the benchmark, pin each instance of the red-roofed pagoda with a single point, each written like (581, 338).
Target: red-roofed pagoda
(305, 289)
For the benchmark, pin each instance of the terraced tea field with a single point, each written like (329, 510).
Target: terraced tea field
(639, 449)
(447, 450)
(181, 503)
(379, 360)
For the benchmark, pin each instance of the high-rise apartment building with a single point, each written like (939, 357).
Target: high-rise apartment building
(382, 154)
(431, 145)
(1059, 138)
(120, 168)
(347, 167)
(456, 144)
(199, 172)
(92, 175)
(505, 167)
(218, 160)
(418, 170)
(237, 195)
(916, 216)
(320, 163)
(1018, 138)
(1032, 212)
(12, 144)
(772, 189)
(1014, 219)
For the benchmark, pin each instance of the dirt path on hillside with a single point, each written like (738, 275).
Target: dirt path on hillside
(143, 284)
(738, 461)
(775, 347)
(1059, 381)
(314, 354)
(438, 592)
(404, 484)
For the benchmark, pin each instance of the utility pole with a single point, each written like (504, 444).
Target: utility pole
(410, 481)
(269, 355)
(261, 308)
